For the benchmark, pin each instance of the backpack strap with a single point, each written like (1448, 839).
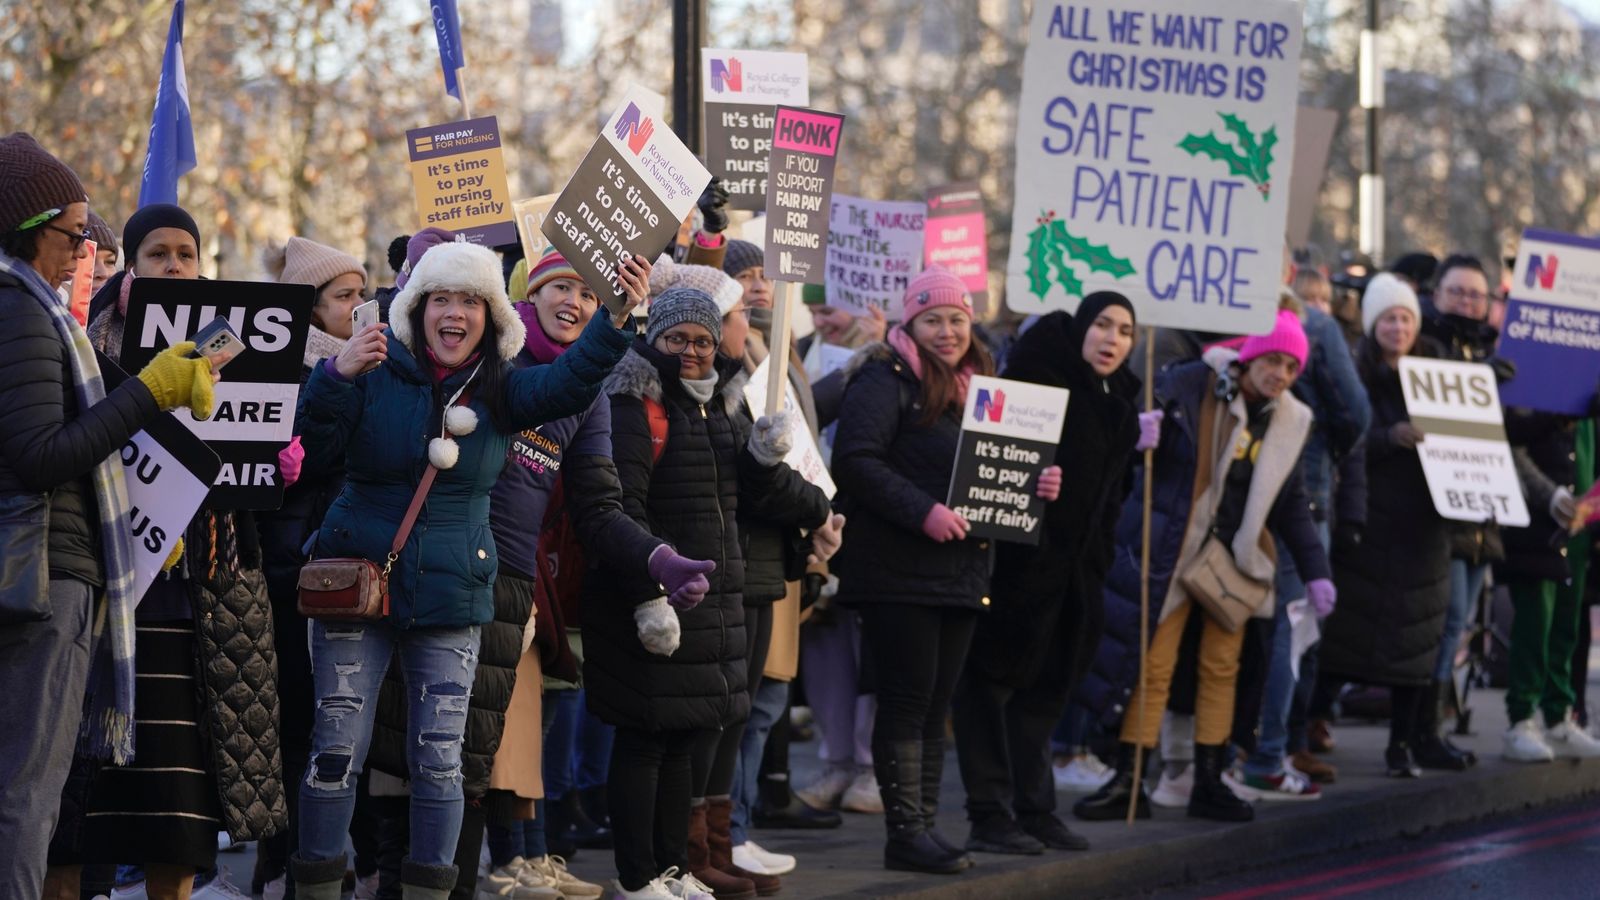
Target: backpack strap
(656, 415)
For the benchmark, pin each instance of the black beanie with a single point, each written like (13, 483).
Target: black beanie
(148, 219)
(742, 255)
(32, 183)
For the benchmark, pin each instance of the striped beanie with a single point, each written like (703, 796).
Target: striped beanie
(551, 265)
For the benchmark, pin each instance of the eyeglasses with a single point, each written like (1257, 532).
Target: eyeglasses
(76, 238)
(1460, 293)
(677, 344)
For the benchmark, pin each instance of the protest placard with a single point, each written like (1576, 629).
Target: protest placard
(1465, 456)
(958, 237)
(1552, 324)
(805, 456)
(805, 147)
(459, 177)
(168, 472)
(743, 90)
(83, 285)
(1009, 433)
(530, 215)
(628, 196)
(253, 416)
(1154, 140)
(874, 247)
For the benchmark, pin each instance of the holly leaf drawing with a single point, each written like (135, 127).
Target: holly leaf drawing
(1258, 154)
(1098, 257)
(1065, 277)
(1038, 263)
(1252, 158)
(1212, 146)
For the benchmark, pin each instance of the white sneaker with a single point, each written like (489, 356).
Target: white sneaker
(1084, 772)
(1172, 792)
(278, 887)
(826, 791)
(752, 857)
(134, 891)
(862, 796)
(1569, 741)
(1525, 743)
(219, 888)
(684, 885)
(514, 881)
(1234, 779)
(655, 890)
(552, 870)
(225, 843)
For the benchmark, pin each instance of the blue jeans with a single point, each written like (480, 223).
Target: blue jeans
(1466, 583)
(594, 749)
(348, 662)
(1267, 759)
(771, 699)
(561, 740)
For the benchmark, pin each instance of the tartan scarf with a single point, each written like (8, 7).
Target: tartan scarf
(107, 731)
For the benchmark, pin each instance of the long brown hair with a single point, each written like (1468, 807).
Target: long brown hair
(940, 390)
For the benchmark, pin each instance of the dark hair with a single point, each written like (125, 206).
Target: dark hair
(940, 392)
(1458, 261)
(490, 383)
(22, 246)
(397, 252)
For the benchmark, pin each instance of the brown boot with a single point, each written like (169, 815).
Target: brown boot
(1314, 768)
(62, 883)
(722, 884)
(719, 838)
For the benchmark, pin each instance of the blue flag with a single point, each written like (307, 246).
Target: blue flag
(171, 151)
(447, 25)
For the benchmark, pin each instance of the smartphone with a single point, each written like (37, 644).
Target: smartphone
(218, 343)
(364, 315)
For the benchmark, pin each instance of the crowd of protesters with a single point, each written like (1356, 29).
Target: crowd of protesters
(612, 592)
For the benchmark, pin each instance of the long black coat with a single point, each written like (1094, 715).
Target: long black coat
(1048, 608)
(1394, 590)
(1538, 552)
(891, 469)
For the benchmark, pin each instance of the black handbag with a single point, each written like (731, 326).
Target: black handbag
(24, 563)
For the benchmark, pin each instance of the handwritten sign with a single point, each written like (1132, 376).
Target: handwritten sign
(1009, 433)
(1154, 143)
(805, 147)
(742, 91)
(874, 247)
(1552, 326)
(459, 177)
(1465, 456)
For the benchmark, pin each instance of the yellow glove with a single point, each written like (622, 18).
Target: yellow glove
(177, 380)
(177, 554)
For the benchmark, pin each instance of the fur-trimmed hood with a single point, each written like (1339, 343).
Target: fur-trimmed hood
(460, 266)
(639, 375)
(873, 352)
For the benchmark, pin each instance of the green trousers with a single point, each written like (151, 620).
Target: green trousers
(1544, 633)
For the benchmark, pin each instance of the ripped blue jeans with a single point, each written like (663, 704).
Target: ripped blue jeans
(348, 662)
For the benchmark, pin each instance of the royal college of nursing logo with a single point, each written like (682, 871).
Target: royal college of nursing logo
(727, 76)
(634, 128)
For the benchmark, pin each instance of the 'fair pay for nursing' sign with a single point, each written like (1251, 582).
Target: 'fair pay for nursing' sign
(1009, 433)
(459, 177)
(1465, 456)
(1154, 142)
(1552, 327)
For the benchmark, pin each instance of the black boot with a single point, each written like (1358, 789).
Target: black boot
(778, 807)
(1211, 799)
(932, 775)
(1111, 801)
(596, 806)
(909, 849)
(558, 825)
(586, 832)
(1430, 749)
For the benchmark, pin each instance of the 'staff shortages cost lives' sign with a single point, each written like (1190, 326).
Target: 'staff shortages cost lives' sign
(1009, 433)
(1465, 456)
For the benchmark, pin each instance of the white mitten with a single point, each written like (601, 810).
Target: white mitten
(770, 440)
(658, 626)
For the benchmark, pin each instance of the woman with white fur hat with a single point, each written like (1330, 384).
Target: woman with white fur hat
(437, 391)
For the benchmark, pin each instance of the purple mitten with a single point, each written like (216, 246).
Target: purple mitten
(1323, 596)
(684, 580)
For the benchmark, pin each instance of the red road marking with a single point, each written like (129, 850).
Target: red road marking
(1403, 858)
(1458, 862)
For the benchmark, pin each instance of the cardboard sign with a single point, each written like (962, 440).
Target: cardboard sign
(874, 247)
(1552, 326)
(168, 472)
(1465, 456)
(82, 285)
(1009, 433)
(530, 215)
(459, 177)
(958, 237)
(742, 91)
(806, 456)
(252, 418)
(628, 196)
(805, 148)
(1154, 142)
(1313, 140)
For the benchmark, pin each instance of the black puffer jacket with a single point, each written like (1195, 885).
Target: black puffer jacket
(1394, 589)
(1544, 445)
(1048, 600)
(891, 470)
(691, 498)
(50, 446)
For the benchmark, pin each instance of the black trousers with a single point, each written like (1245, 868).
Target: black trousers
(917, 653)
(717, 754)
(648, 788)
(1003, 744)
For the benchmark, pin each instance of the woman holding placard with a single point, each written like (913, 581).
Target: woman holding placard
(1395, 584)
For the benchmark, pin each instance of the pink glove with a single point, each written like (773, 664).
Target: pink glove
(1323, 595)
(1149, 429)
(943, 524)
(684, 580)
(1049, 484)
(290, 459)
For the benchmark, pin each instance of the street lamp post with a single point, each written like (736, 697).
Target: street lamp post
(1371, 190)
(688, 36)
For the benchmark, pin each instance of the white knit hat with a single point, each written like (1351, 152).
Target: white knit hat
(721, 287)
(1384, 292)
(471, 269)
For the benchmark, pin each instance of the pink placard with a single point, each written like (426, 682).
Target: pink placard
(959, 243)
(807, 132)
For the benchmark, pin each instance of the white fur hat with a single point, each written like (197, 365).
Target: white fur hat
(469, 268)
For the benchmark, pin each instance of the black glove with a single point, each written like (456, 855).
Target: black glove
(1346, 538)
(811, 590)
(1504, 369)
(714, 207)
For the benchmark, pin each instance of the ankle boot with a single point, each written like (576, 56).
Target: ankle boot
(595, 805)
(719, 844)
(558, 826)
(586, 832)
(1399, 763)
(700, 865)
(1211, 799)
(1111, 801)
(323, 879)
(932, 777)
(909, 848)
(1430, 749)
(777, 806)
(421, 881)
